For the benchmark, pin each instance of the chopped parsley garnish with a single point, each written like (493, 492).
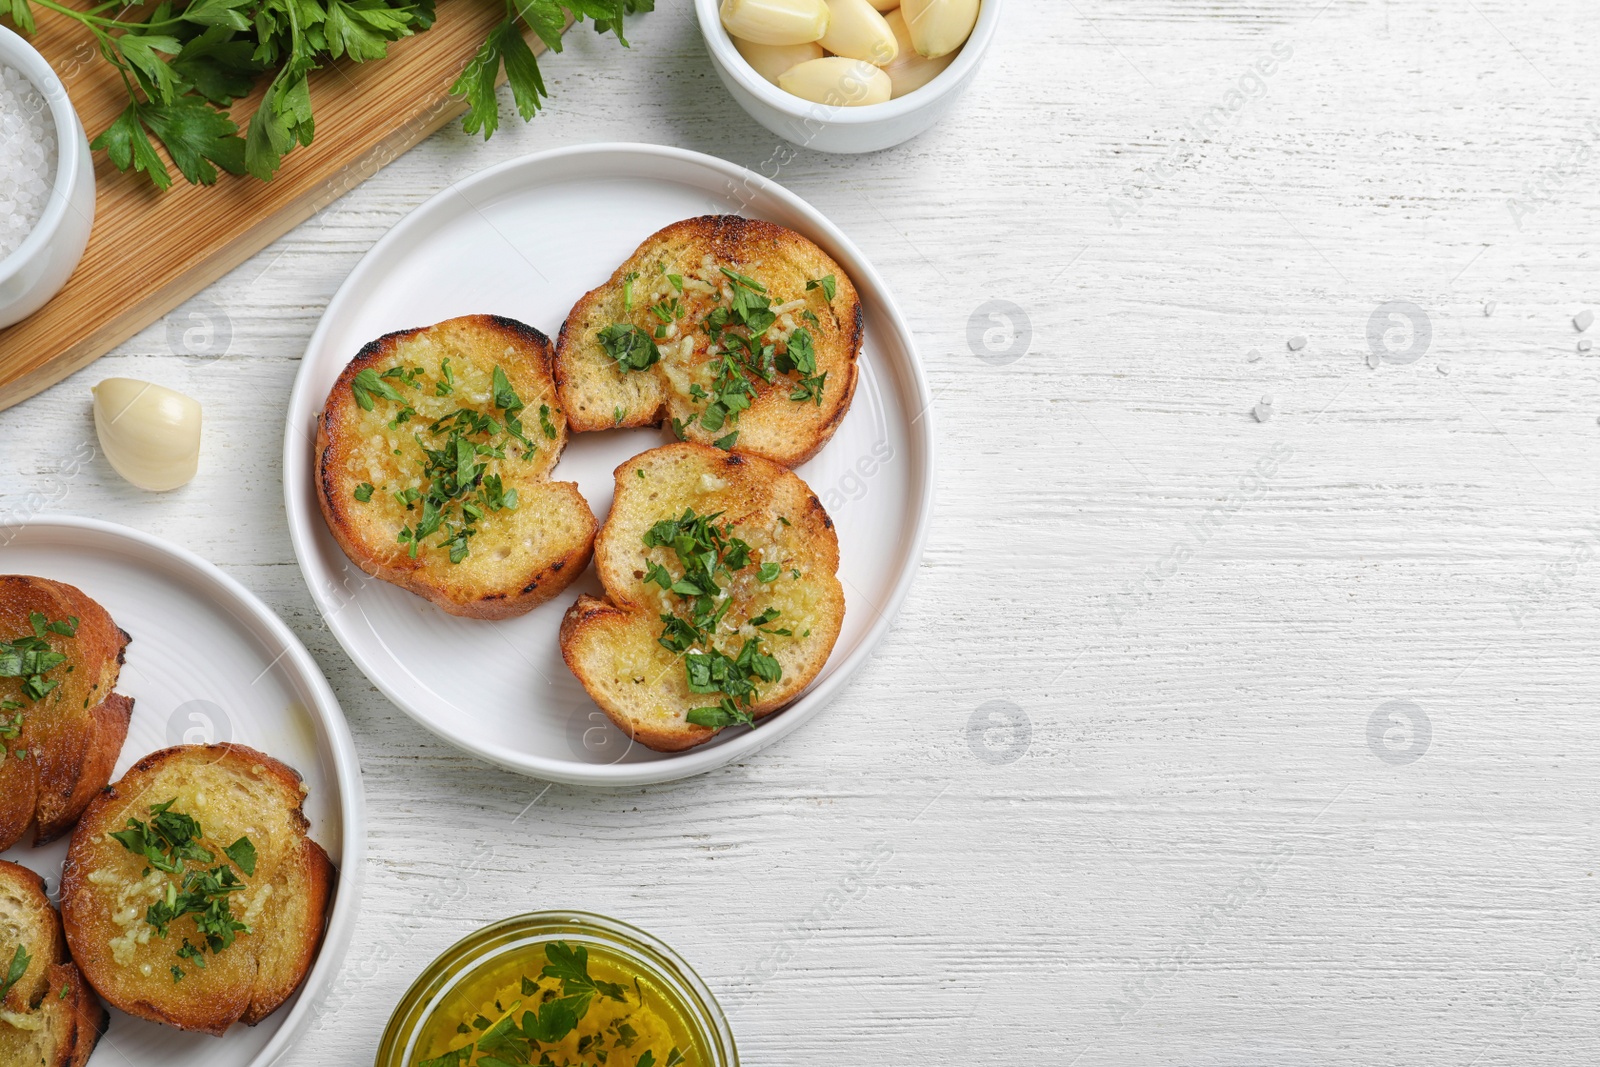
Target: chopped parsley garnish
(668, 311)
(170, 842)
(368, 384)
(726, 713)
(800, 354)
(31, 659)
(810, 388)
(708, 555)
(739, 353)
(457, 489)
(801, 357)
(18, 967)
(629, 347)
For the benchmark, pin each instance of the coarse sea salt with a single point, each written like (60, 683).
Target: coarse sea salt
(27, 158)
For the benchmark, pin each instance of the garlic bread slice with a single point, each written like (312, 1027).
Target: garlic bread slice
(48, 1016)
(722, 596)
(733, 331)
(192, 895)
(61, 726)
(434, 454)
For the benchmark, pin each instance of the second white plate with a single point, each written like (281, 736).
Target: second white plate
(525, 239)
(208, 662)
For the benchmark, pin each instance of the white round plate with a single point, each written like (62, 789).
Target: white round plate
(208, 662)
(526, 239)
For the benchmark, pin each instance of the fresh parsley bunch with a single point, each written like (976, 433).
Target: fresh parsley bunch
(185, 62)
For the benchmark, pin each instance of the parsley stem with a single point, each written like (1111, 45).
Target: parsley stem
(93, 21)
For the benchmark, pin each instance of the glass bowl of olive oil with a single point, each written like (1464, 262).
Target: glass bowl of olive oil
(558, 987)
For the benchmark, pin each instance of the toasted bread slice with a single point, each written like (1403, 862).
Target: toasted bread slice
(62, 728)
(233, 792)
(668, 288)
(48, 1017)
(529, 536)
(785, 577)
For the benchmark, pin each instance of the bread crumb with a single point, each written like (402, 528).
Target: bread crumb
(1583, 320)
(1297, 342)
(1263, 411)
(1253, 356)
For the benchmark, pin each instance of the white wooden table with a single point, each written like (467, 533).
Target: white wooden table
(1303, 749)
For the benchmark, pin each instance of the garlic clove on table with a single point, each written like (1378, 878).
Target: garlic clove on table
(150, 434)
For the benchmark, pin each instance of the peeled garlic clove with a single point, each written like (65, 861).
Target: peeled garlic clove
(911, 71)
(151, 434)
(837, 81)
(939, 27)
(857, 31)
(772, 60)
(776, 21)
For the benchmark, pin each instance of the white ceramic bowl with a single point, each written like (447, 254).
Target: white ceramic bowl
(38, 269)
(844, 129)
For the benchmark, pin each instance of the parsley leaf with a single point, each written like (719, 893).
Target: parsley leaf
(19, 967)
(629, 347)
(570, 965)
(828, 285)
(556, 1018)
(284, 118)
(800, 354)
(725, 713)
(128, 145)
(367, 384)
(243, 855)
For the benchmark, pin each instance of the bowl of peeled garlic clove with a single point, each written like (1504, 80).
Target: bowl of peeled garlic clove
(847, 75)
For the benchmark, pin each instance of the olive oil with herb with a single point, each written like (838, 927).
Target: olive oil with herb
(558, 1004)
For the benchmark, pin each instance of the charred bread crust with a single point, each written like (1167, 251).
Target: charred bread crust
(233, 790)
(72, 735)
(528, 576)
(610, 643)
(780, 429)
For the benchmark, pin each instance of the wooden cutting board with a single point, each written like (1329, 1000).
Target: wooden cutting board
(150, 250)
